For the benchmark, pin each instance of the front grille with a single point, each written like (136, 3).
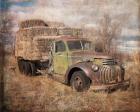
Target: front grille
(109, 74)
(108, 62)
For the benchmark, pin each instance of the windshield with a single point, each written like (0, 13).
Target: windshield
(74, 45)
(87, 45)
(79, 45)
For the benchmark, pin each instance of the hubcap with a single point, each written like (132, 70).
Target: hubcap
(78, 84)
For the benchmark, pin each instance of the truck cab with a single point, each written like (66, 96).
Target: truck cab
(63, 52)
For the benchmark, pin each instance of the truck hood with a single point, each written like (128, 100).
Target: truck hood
(90, 54)
(84, 56)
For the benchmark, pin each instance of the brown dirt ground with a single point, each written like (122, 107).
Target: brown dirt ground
(41, 94)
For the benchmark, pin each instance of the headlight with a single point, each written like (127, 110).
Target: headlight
(95, 68)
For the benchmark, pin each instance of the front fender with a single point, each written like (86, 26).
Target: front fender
(83, 66)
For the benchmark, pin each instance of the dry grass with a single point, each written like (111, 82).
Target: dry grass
(136, 58)
(133, 71)
(41, 94)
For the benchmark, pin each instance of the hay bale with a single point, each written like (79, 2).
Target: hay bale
(37, 31)
(48, 31)
(37, 22)
(34, 27)
(55, 24)
(30, 47)
(32, 23)
(70, 31)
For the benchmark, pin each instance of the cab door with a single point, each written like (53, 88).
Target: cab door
(60, 57)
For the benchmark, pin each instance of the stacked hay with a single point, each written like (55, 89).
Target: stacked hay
(48, 31)
(35, 22)
(40, 28)
(42, 46)
(29, 30)
(37, 31)
(31, 23)
(70, 31)
(55, 24)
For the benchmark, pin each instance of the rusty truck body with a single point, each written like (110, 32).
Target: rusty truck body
(63, 53)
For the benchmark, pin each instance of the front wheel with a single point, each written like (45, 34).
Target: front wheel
(79, 81)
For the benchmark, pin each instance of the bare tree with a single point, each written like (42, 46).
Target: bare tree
(107, 31)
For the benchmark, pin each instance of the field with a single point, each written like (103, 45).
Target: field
(42, 94)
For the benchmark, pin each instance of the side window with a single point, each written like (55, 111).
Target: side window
(60, 46)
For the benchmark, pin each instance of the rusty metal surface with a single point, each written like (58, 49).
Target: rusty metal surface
(110, 74)
(120, 85)
(86, 67)
(91, 53)
(105, 75)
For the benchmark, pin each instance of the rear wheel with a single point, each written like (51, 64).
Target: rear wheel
(20, 65)
(32, 68)
(79, 81)
(26, 67)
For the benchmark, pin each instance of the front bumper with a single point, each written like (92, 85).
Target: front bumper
(110, 87)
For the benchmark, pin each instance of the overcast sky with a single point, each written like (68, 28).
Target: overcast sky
(75, 12)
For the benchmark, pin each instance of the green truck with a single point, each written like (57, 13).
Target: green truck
(64, 55)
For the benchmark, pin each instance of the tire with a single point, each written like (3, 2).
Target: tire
(33, 68)
(20, 65)
(24, 67)
(27, 69)
(79, 81)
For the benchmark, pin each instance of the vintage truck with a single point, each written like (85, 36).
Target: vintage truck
(66, 56)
